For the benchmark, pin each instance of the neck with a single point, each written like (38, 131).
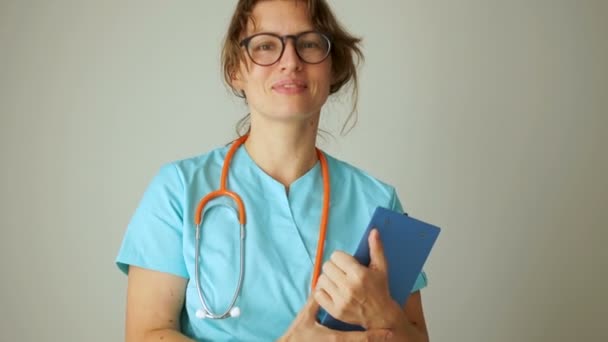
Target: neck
(284, 151)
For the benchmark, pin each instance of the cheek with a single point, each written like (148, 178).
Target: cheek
(323, 84)
(255, 79)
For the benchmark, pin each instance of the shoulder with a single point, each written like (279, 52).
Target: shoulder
(186, 170)
(346, 176)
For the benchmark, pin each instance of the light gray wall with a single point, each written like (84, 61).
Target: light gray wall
(490, 117)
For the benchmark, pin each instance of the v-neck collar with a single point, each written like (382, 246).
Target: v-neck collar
(243, 156)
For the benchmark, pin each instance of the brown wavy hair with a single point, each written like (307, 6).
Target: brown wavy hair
(346, 53)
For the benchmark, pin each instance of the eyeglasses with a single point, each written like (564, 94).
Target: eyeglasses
(267, 48)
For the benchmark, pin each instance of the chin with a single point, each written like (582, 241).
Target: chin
(292, 110)
(287, 108)
(292, 113)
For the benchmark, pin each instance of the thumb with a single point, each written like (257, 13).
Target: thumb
(376, 252)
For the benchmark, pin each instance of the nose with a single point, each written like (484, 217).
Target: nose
(290, 61)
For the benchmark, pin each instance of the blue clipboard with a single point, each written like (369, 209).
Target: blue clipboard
(407, 244)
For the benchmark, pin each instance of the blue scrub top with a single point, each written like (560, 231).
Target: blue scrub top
(281, 238)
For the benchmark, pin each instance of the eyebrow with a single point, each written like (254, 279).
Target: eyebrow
(279, 34)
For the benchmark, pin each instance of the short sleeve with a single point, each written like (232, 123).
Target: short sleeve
(421, 281)
(153, 238)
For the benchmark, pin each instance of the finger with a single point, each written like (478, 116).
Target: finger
(345, 262)
(346, 283)
(375, 335)
(334, 273)
(376, 252)
(329, 287)
(331, 296)
(324, 300)
(378, 335)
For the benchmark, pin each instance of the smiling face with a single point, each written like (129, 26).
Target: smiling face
(290, 89)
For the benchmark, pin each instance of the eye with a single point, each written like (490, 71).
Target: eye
(266, 45)
(309, 44)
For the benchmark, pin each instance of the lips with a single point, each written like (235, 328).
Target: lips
(290, 84)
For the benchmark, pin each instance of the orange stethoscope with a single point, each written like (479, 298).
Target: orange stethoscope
(232, 310)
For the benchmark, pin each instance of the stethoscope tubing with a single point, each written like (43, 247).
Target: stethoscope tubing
(240, 213)
(207, 311)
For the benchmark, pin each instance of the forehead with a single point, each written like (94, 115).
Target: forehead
(279, 16)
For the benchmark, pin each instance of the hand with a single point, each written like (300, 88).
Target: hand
(306, 328)
(357, 294)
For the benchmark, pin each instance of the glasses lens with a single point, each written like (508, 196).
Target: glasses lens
(312, 47)
(265, 49)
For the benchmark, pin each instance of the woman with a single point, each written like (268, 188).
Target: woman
(285, 58)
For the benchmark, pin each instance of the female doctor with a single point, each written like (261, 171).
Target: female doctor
(300, 207)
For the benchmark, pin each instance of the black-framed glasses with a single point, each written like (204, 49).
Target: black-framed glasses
(267, 48)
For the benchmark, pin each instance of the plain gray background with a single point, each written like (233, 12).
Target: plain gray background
(489, 117)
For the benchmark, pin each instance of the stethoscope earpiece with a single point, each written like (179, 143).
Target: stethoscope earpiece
(234, 312)
(200, 313)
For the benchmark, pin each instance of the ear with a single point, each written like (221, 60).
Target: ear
(236, 80)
